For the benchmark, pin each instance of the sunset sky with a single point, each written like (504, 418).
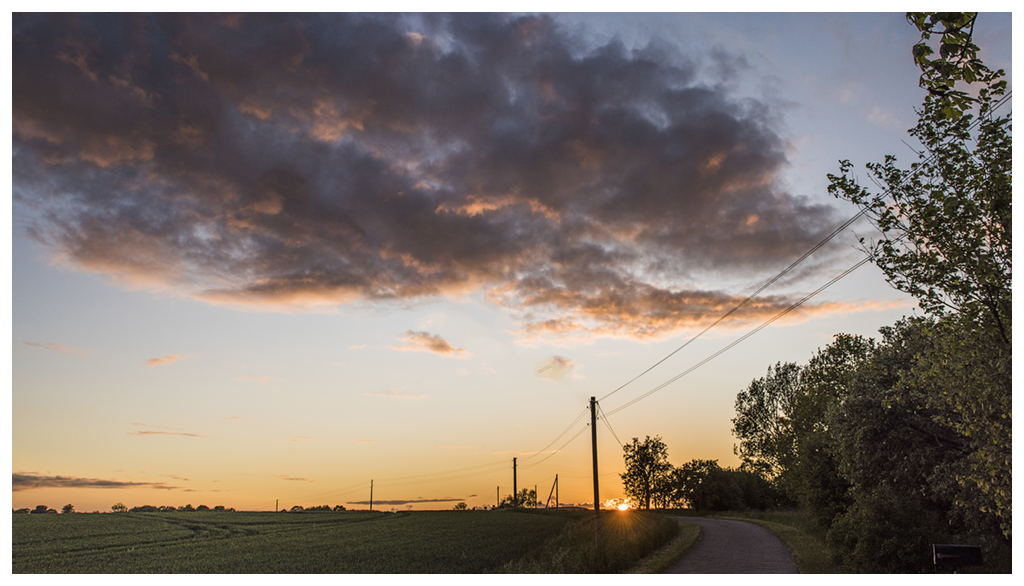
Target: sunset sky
(261, 258)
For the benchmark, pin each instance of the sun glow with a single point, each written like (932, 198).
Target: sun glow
(623, 507)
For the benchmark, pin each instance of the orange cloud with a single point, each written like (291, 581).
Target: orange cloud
(65, 350)
(558, 368)
(426, 342)
(169, 359)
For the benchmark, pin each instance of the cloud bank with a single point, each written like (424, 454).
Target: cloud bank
(309, 161)
(29, 481)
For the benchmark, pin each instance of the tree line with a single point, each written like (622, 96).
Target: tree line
(896, 443)
(902, 442)
(650, 479)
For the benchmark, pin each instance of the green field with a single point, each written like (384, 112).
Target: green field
(236, 542)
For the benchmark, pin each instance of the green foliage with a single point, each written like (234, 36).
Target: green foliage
(252, 543)
(891, 458)
(704, 485)
(763, 421)
(958, 59)
(946, 222)
(647, 471)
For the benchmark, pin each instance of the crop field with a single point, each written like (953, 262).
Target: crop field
(237, 542)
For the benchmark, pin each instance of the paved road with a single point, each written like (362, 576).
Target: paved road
(734, 547)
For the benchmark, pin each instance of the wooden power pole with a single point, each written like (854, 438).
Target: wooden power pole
(515, 495)
(593, 442)
(371, 493)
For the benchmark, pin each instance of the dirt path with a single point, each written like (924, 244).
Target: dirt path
(734, 547)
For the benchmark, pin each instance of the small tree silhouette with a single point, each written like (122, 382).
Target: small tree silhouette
(119, 508)
(68, 509)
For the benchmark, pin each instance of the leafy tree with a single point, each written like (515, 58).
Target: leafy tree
(202, 508)
(461, 506)
(647, 470)
(186, 508)
(296, 509)
(338, 508)
(946, 227)
(68, 509)
(763, 421)
(687, 479)
(824, 383)
(526, 498)
(946, 222)
(119, 508)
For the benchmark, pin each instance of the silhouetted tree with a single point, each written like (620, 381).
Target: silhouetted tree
(527, 498)
(119, 508)
(338, 508)
(647, 470)
(68, 509)
(460, 506)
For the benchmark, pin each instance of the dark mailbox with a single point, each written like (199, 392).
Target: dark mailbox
(956, 555)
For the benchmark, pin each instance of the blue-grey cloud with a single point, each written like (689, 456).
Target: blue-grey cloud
(21, 482)
(294, 161)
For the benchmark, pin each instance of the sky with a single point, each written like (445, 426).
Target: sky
(261, 260)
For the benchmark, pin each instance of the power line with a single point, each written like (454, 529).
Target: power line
(604, 418)
(795, 263)
(574, 422)
(582, 429)
(741, 338)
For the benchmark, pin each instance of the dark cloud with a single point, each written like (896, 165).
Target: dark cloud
(30, 481)
(306, 160)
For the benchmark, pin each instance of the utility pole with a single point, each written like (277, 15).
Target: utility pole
(497, 497)
(597, 498)
(554, 491)
(371, 492)
(275, 504)
(515, 495)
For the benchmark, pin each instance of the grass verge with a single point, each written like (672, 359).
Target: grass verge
(662, 559)
(626, 538)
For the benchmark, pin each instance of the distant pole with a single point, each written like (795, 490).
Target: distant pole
(371, 494)
(515, 488)
(593, 442)
(556, 491)
(497, 497)
(275, 504)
